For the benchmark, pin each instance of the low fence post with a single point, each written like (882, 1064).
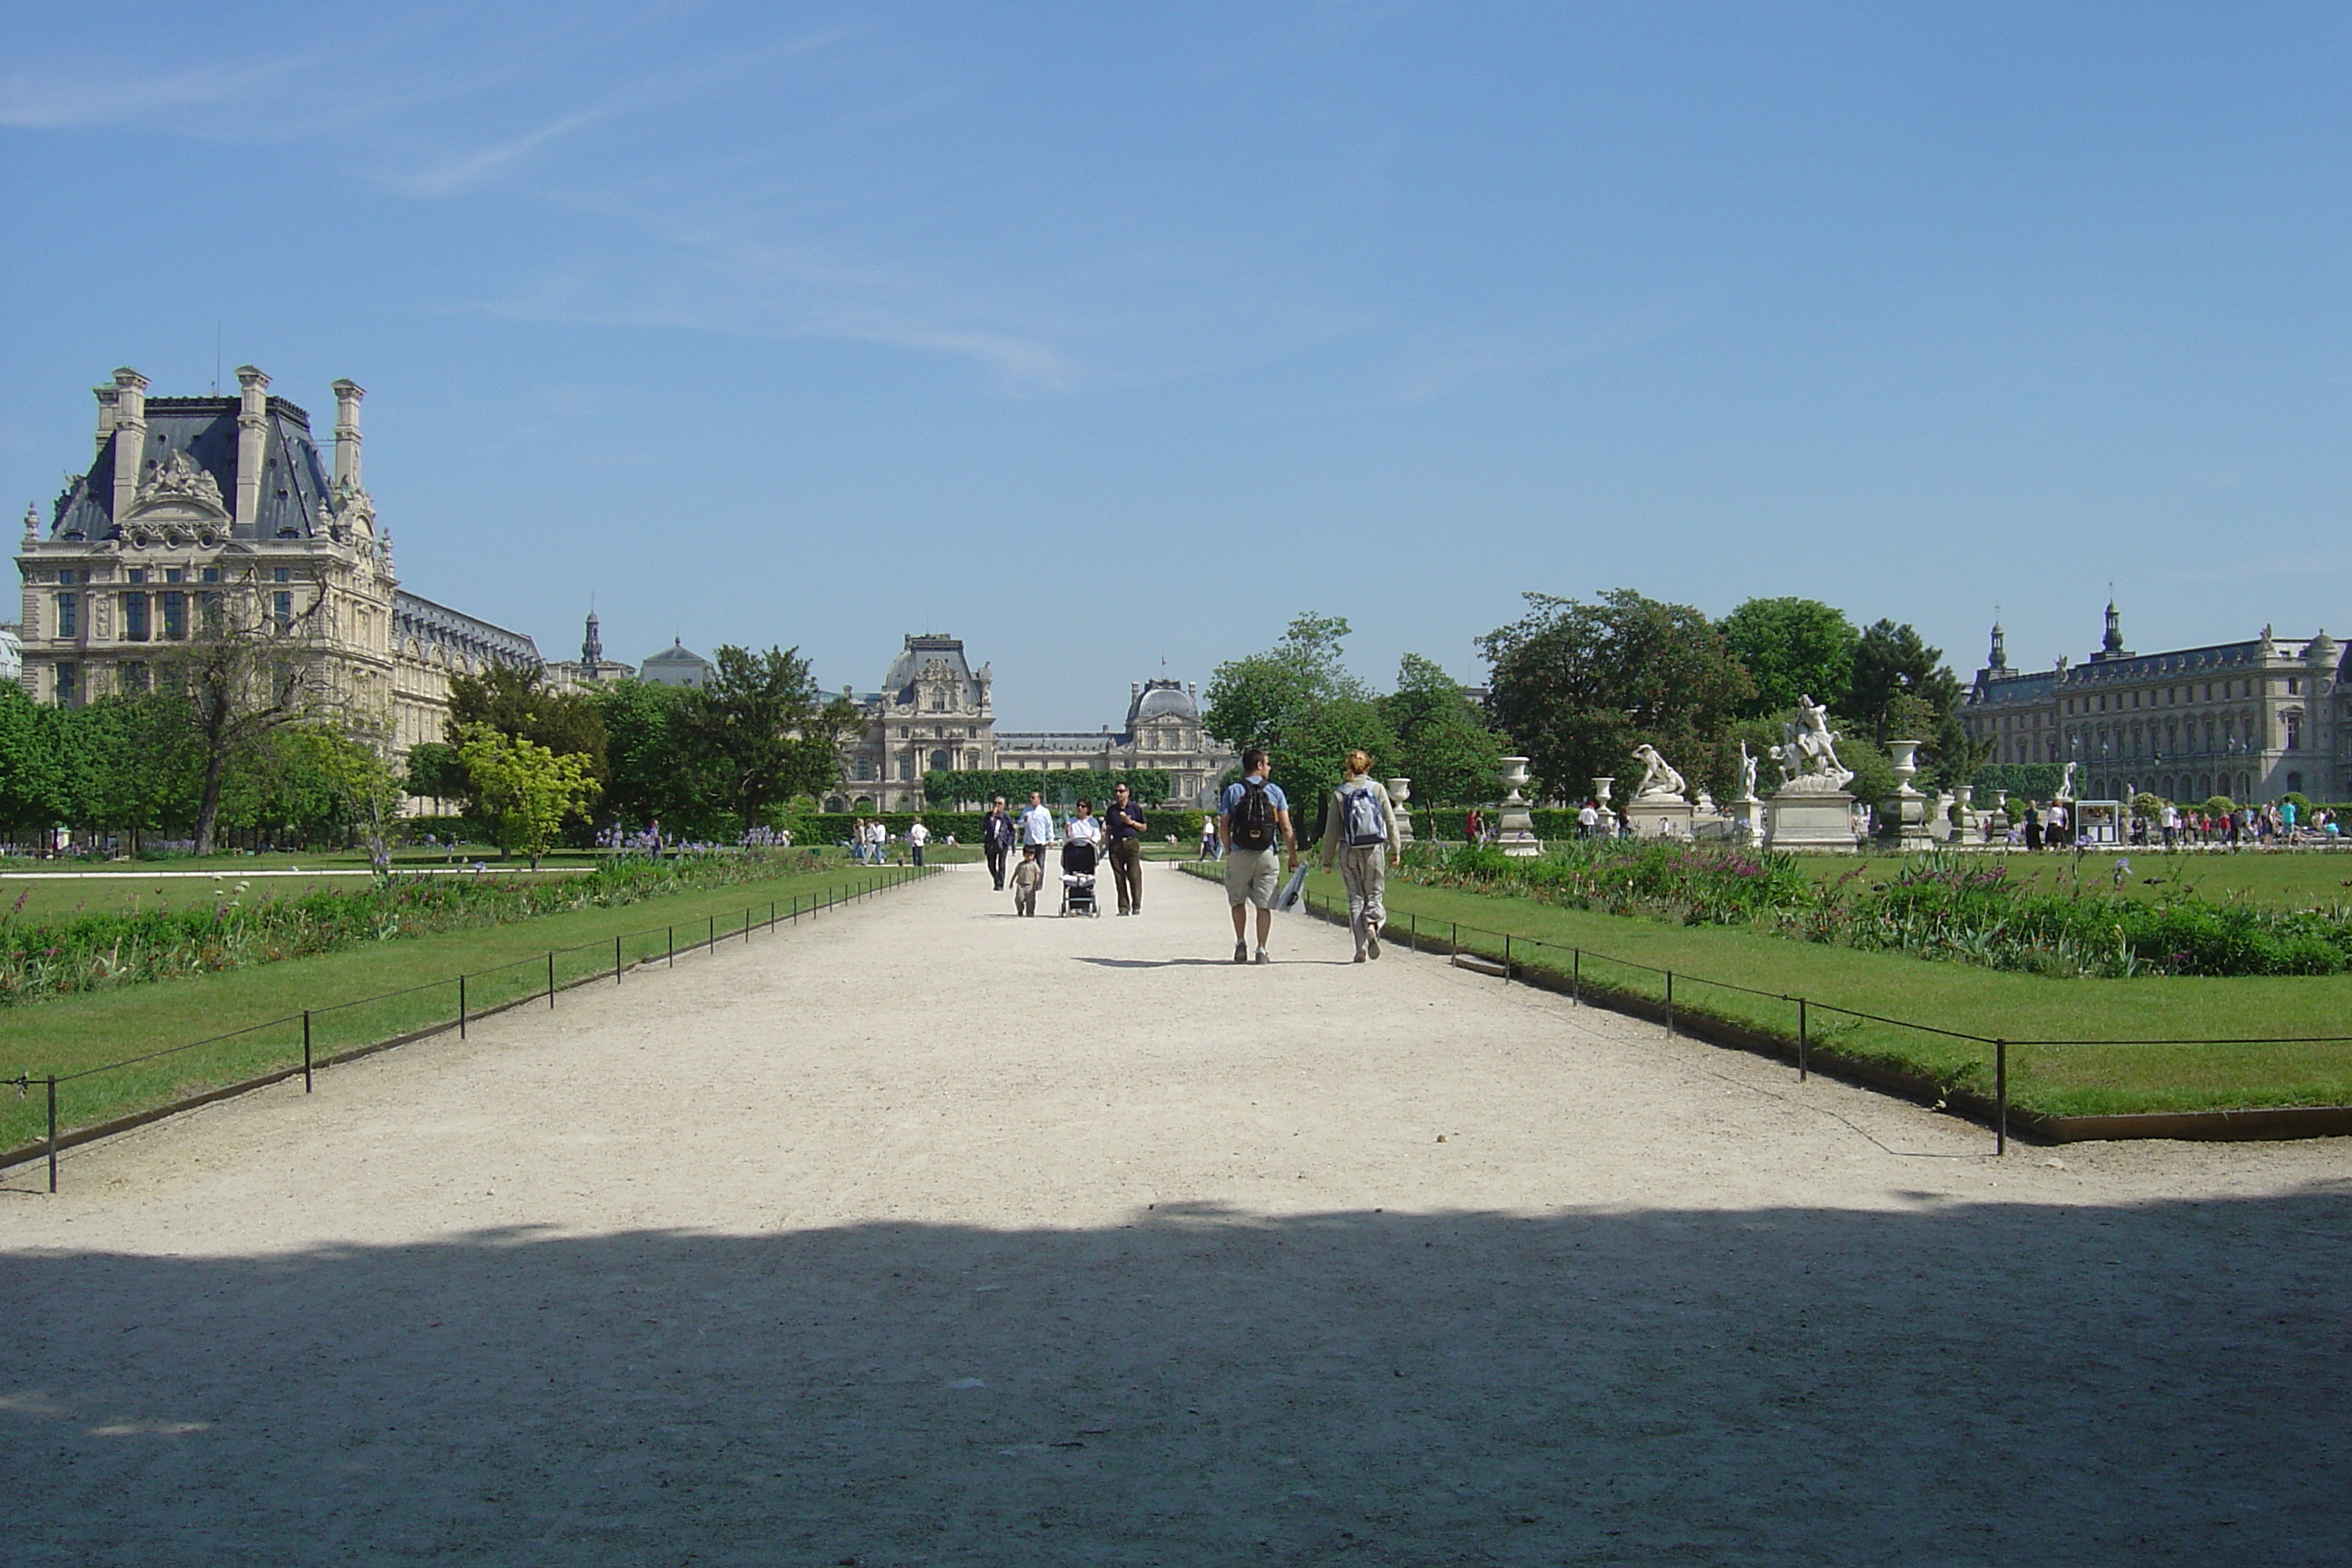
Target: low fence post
(1507, 957)
(617, 961)
(306, 1050)
(710, 942)
(1670, 1000)
(747, 925)
(669, 947)
(1804, 1039)
(461, 1006)
(550, 978)
(2001, 1097)
(53, 1132)
(1457, 939)
(1576, 977)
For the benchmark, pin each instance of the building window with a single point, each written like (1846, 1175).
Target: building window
(281, 575)
(175, 617)
(134, 617)
(865, 769)
(66, 576)
(2294, 783)
(174, 574)
(136, 574)
(941, 762)
(135, 678)
(69, 616)
(282, 609)
(2294, 686)
(906, 770)
(2294, 732)
(209, 574)
(68, 685)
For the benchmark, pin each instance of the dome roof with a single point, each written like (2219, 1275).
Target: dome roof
(1163, 699)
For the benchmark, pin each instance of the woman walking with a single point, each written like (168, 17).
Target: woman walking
(1361, 837)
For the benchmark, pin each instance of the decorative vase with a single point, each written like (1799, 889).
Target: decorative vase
(1401, 792)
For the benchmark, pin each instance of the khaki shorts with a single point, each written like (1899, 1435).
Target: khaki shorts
(1251, 877)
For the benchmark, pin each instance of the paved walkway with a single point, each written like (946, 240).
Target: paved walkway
(926, 1234)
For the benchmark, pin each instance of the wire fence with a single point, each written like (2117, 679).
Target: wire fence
(298, 1044)
(1776, 1021)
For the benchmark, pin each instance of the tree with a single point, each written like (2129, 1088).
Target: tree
(365, 786)
(32, 787)
(251, 667)
(514, 702)
(526, 790)
(1444, 744)
(651, 776)
(1300, 703)
(1578, 686)
(764, 730)
(1791, 649)
(1901, 683)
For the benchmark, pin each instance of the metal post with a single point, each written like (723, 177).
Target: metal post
(1575, 976)
(2001, 1097)
(53, 1132)
(747, 925)
(669, 947)
(551, 977)
(771, 914)
(461, 1006)
(617, 961)
(306, 1050)
(1506, 955)
(1670, 1000)
(710, 944)
(1413, 931)
(1804, 1039)
(1457, 939)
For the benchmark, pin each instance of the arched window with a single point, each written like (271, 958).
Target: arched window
(941, 762)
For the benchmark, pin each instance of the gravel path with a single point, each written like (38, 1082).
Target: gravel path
(926, 1234)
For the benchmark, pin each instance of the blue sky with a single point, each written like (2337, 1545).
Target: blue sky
(1104, 333)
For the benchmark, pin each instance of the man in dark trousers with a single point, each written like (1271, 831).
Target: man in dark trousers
(1123, 825)
(996, 836)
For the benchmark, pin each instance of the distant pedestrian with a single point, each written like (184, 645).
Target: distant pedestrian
(1123, 826)
(1251, 816)
(1037, 824)
(1474, 828)
(997, 835)
(1588, 818)
(917, 837)
(1209, 836)
(1025, 878)
(1361, 837)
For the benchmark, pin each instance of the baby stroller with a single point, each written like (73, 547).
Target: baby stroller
(1078, 878)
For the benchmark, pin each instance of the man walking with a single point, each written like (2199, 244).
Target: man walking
(997, 834)
(1037, 825)
(917, 837)
(1124, 826)
(1250, 816)
(1359, 835)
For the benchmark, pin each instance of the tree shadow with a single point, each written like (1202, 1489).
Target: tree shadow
(1960, 1383)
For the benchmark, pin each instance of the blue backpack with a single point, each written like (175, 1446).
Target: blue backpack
(1363, 817)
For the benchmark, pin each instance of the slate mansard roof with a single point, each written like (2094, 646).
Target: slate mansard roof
(294, 483)
(424, 624)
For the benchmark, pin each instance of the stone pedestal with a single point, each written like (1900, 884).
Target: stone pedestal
(1748, 820)
(1659, 817)
(1903, 820)
(1517, 828)
(1815, 822)
(1400, 791)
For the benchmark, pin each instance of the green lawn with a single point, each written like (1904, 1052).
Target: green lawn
(2058, 1081)
(504, 962)
(2291, 878)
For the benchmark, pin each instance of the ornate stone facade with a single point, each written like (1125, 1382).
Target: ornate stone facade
(193, 498)
(2252, 721)
(1163, 731)
(591, 670)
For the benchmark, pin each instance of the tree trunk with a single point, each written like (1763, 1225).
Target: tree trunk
(208, 813)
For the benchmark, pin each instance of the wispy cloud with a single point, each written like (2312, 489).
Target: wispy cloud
(471, 169)
(54, 101)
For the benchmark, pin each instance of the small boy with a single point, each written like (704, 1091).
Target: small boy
(1025, 878)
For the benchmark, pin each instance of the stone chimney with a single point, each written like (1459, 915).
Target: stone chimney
(347, 434)
(106, 397)
(252, 431)
(130, 435)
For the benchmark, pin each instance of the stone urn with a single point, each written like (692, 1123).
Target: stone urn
(1519, 829)
(1401, 792)
(1903, 818)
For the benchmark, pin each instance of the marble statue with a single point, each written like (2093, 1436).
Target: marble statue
(2066, 783)
(1808, 753)
(1659, 780)
(1747, 773)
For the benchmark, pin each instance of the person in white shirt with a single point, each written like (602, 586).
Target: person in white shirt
(917, 837)
(1085, 827)
(1037, 824)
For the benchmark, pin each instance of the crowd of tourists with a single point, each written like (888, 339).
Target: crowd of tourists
(2058, 826)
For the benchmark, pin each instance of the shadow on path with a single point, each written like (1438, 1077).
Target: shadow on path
(1958, 1384)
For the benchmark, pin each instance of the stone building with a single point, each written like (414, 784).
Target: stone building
(12, 652)
(2252, 719)
(934, 711)
(591, 670)
(678, 665)
(1162, 730)
(191, 499)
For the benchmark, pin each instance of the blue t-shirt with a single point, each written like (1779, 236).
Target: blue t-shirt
(1234, 795)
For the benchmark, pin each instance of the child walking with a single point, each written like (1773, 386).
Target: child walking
(1025, 878)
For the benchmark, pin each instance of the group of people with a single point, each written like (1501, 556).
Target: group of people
(1085, 839)
(870, 839)
(2280, 822)
(1362, 841)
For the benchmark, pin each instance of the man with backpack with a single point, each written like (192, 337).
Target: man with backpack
(1359, 835)
(1251, 817)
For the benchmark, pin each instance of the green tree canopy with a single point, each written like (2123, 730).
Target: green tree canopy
(1298, 701)
(1792, 649)
(1444, 744)
(1901, 683)
(765, 730)
(1580, 685)
(515, 702)
(526, 790)
(653, 773)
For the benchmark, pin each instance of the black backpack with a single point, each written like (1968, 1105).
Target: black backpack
(1253, 816)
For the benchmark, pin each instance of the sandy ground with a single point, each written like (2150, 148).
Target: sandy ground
(927, 1234)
